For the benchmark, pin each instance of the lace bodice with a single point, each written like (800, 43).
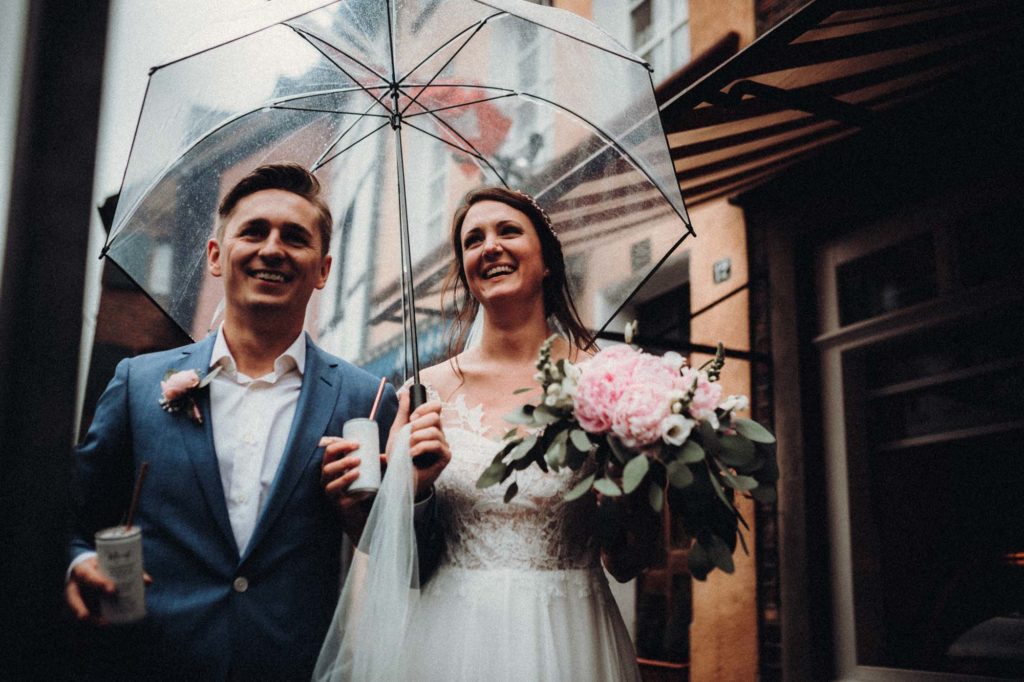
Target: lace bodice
(537, 530)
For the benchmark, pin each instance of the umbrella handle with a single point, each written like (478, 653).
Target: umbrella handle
(418, 396)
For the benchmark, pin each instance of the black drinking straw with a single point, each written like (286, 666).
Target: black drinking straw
(135, 495)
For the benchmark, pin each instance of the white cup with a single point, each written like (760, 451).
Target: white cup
(119, 552)
(365, 432)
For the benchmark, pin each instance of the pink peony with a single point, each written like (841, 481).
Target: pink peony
(602, 380)
(627, 392)
(638, 415)
(179, 384)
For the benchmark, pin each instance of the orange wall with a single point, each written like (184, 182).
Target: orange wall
(723, 635)
(712, 19)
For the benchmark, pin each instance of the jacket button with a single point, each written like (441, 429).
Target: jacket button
(240, 584)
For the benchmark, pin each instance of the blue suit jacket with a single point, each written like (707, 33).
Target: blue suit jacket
(204, 622)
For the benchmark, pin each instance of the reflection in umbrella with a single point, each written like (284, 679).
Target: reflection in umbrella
(400, 108)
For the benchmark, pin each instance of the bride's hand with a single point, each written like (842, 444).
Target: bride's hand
(426, 440)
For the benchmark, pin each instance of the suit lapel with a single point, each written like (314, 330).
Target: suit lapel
(321, 383)
(198, 441)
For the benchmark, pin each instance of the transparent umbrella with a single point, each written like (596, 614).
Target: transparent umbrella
(400, 107)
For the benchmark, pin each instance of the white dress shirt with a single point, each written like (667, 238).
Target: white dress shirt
(251, 419)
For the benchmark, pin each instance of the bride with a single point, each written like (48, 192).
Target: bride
(519, 593)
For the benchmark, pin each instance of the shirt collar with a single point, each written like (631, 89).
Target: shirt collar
(294, 355)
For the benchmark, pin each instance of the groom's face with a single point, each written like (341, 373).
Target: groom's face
(269, 255)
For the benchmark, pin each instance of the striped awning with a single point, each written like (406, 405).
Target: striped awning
(831, 69)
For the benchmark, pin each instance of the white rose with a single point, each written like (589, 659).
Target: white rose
(734, 402)
(675, 429)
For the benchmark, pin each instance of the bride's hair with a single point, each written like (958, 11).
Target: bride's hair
(558, 303)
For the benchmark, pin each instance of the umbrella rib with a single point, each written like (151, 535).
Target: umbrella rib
(475, 153)
(478, 25)
(415, 99)
(330, 91)
(360, 114)
(610, 142)
(332, 145)
(320, 164)
(476, 30)
(648, 276)
(364, 88)
(135, 136)
(627, 56)
(283, 22)
(313, 40)
(463, 104)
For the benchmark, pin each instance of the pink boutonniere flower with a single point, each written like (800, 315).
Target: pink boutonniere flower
(178, 391)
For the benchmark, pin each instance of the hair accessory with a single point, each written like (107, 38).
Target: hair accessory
(543, 214)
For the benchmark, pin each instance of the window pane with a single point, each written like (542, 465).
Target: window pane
(642, 21)
(887, 280)
(680, 42)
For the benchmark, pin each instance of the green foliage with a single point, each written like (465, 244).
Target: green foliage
(752, 430)
(634, 473)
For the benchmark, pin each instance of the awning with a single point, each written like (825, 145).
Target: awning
(831, 69)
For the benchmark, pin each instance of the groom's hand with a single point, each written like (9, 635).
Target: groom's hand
(339, 468)
(86, 584)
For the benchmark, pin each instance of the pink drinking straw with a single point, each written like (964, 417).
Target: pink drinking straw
(380, 392)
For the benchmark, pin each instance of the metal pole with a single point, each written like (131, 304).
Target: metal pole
(417, 393)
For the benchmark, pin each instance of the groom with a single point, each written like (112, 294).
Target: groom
(241, 511)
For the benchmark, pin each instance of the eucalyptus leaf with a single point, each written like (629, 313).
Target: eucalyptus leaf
(709, 439)
(606, 486)
(620, 451)
(522, 415)
(752, 430)
(523, 449)
(510, 434)
(523, 390)
(545, 415)
(491, 475)
(679, 474)
(764, 493)
(719, 553)
(555, 456)
(656, 496)
(720, 492)
(580, 440)
(698, 561)
(511, 491)
(740, 482)
(580, 488)
(634, 472)
(737, 451)
(691, 452)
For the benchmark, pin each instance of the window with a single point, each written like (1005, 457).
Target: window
(660, 31)
(922, 363)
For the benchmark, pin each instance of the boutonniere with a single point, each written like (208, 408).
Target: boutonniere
(179, 388)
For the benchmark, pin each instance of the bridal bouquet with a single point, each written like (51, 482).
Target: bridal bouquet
(646, 425)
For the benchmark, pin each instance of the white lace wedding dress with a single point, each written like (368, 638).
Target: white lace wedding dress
(520, 593)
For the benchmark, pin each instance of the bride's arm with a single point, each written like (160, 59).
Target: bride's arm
(426, 437)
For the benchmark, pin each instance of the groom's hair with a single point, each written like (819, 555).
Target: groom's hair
(290, 177)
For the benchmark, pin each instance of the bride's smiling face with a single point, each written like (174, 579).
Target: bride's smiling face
(501, 253)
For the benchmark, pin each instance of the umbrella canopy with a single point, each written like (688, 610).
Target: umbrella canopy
(400, 108)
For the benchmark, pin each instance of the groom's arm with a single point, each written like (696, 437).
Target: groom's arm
(101, 489)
